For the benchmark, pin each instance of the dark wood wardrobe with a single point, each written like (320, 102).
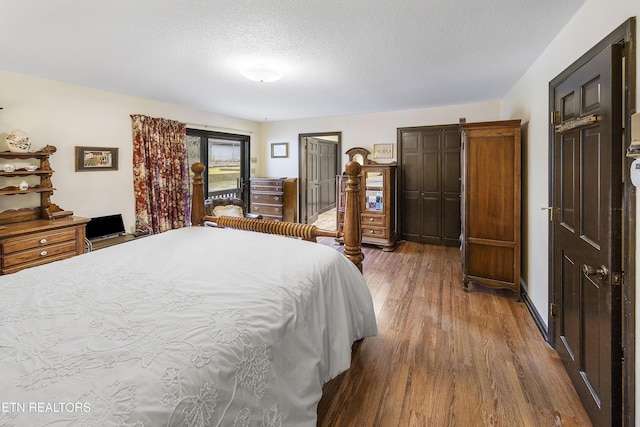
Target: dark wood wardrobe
(429, 168)
(491, 204)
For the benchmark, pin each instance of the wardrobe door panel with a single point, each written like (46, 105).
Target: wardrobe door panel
(430, 183)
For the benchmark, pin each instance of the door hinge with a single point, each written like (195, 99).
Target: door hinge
(553, 309)
(555, 118)
(617, 279)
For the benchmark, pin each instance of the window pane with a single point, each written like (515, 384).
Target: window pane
(224, 167)
(193, 156)
(193, 149)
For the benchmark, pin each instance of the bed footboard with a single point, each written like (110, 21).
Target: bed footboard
(290, 229)
(351, 235)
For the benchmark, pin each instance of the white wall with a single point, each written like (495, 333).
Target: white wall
(66, 116)
(364, 130)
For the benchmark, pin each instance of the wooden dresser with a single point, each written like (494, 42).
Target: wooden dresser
(275, 198)
(378, 192)
(30, 243)
(31, 236)
(491, 204)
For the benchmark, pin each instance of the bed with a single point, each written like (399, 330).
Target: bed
(224, 328)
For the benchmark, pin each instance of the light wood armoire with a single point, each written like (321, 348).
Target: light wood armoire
(490, 209)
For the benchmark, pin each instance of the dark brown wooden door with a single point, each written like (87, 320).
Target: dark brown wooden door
(430, 184)
(586, 233)
(321, 167)
(450, 176)
(327, 171)
(313, 180)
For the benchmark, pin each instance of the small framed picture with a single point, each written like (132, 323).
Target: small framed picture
(96, 158)
(279, 149)
(383, 151)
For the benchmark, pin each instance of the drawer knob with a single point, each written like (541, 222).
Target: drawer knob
(276, 198)
(43, 241)
(43, 253)
(372, 232)
(370, 219)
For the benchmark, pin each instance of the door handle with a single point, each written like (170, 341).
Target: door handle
(602, 271)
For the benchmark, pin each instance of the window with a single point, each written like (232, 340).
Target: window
(226, 160)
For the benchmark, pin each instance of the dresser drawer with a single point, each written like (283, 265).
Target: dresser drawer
(37, 262)
(373, 220)
(272, 210)
(38, 240)
(267, 198)
(40, 255)
(274, 185)
(378, 232)
(31, 243)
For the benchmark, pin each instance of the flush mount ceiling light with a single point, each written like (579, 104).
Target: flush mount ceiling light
(261, 73)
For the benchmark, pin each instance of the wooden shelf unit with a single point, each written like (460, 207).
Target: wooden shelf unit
(38, 235)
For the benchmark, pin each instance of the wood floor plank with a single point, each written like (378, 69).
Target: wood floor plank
(445, 357)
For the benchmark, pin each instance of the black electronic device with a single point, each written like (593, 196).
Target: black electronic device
(104, 227)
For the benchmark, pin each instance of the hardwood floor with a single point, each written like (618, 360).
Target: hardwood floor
(326, 220)
(445, 357)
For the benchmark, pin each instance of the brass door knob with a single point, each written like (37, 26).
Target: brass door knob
(602, 272)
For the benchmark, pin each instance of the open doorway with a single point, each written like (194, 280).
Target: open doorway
(319, 163)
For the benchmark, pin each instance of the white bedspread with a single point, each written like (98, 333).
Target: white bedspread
(193, 327)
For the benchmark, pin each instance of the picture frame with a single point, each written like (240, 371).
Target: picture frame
(279, 150)
(383, 151)
(96, 158)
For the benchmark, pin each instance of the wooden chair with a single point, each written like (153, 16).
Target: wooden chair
(211, 204)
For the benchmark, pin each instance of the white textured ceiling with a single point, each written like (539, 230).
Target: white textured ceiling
(338, 56)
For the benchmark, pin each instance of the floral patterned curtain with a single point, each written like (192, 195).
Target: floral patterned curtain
(160, 172)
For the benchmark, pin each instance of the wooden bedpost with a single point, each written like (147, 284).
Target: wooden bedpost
(197, 197)
(352, 234)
